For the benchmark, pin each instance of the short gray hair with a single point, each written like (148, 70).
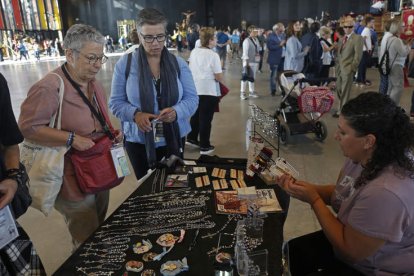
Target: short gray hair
(151, 16)
(79, 34)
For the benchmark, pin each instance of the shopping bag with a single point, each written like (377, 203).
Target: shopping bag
(44, 165)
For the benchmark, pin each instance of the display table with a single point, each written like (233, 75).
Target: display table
(107, 251)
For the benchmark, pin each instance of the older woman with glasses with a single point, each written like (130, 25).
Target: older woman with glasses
(154, 95)
(79, 128)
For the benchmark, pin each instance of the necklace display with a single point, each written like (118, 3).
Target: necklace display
(140, 216)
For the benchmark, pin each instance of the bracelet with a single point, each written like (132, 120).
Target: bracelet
(316, 200)
(71, 137)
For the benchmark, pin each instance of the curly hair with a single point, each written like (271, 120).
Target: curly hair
(376, 114)
(290, 31)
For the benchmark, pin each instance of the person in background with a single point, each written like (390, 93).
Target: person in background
(158, 95)
(222, 41)
(275, 45)
(206, 69)
(18, 257)
(383, 87)
(193, 36)
(251, 58)
(366, 53)
(372, 230)
(235, 44)
(327, 48)
(348, 57)
(262, 41)
(84, 45)
(295, 53)
(312, 65)
(134, 38)
(398, 52)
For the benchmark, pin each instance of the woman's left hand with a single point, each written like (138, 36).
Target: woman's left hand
(8, 188)
(167, 115)
(301, 190)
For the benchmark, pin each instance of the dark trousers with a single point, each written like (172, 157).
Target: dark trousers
(261, 53)
(412, 104)
(383, 87)
(201, 120)
(312, 254)
(324, 71)
(138, 156)
(362, 68)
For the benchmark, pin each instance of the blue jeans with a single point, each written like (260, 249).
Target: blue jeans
(273, 74)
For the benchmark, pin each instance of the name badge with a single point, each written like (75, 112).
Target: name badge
(120, 160)
(158, 130)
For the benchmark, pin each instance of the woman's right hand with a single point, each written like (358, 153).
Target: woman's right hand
(82, 143)
(143, 121)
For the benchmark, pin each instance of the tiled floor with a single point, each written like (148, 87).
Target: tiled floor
(317, 162)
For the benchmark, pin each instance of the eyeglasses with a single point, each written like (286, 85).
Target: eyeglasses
(348, 27)
(93, 59)
(151, 38)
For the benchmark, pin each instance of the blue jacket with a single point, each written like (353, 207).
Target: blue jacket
(275, 50)
(124, 99)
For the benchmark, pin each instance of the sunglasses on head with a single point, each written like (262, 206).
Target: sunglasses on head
(348, 27)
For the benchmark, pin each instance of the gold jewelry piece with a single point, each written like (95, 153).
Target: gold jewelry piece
(224, 184)
(233, 173)
(234, 184)
(242, 184)
(223, 257)
(216, 185)
(199, 182)
(222, 173)
(215, 172)
(240, 174)
(140, 248)
(206, 180)
(148, 272)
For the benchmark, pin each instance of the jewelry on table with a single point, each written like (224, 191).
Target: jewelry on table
(134, 266)
(140, 248)
(223, 258)
(164, 252)
(172, 268)
(148, 272)
(149, 256)
(167, 240)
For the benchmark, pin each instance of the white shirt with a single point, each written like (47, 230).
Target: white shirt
(366, 35)
(384, 40)
(197, 44)
(204, 63)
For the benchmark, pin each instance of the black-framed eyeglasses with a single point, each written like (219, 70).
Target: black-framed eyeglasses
(93, 59)
(151, 38)
(348, 27)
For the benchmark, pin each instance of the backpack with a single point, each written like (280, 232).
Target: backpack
(384, 66)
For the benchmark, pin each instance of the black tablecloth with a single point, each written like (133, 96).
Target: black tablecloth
(199, 262)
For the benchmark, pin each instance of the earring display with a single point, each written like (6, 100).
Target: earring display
(172, 268)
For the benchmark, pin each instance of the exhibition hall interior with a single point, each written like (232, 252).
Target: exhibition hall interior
(206, 137)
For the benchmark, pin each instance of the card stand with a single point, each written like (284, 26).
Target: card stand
(265, 126)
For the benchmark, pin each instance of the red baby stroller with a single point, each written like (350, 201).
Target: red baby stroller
(302, 105)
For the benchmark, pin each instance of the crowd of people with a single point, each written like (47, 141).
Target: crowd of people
(163, 103)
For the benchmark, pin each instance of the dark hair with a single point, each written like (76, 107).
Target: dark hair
(150, 16)
(340, 30)
(376, 114)
(133, 36)
(314, 27)
(291, 31)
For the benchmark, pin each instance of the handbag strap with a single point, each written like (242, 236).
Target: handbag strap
(95, 112)
(59, 111)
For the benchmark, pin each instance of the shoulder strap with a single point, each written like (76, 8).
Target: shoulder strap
(98, 116)
(59, 112)
(128, 66)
